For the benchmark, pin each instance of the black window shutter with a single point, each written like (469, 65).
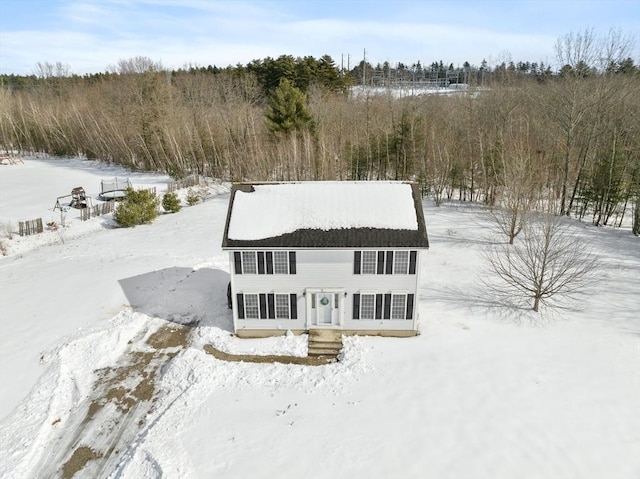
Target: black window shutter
(378, 306)
(357, 260)
(269, 262)
(271, 303)
(412, 261)
(409, 306)
(240, 303)
(263, 306)
(387, 306)
(389, 269)
(260, 262)
(380, 269)
(356, 306)
(294, 306)
(237, 259)
(292, 262)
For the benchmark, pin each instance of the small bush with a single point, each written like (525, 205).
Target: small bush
(139, 207)
(7, 230)
(193, 197)
(171, 203)
(203, 193)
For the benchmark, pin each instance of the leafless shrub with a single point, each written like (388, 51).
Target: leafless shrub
(204, 193)
(7, 230)
(193, 197)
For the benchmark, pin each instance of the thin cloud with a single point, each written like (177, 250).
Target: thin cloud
(89, 35)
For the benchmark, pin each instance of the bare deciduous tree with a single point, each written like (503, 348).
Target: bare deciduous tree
(569, 138)
(51, 70)
(547, 263)
(139, 64)
(519, 177)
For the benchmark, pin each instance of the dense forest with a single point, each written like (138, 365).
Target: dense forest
(515, 133)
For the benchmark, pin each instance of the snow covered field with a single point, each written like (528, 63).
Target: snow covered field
(90, 314)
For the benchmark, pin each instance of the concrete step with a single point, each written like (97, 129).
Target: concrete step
(323, 352)
(330, 335)
(325, 344)
(318, 347)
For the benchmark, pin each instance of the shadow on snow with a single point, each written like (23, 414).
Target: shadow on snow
(181, 295)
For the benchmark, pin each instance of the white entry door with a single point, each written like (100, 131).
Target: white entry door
(325, 308)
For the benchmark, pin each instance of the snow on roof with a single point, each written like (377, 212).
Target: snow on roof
(276, 209)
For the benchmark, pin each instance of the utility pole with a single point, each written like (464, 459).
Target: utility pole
(364, 68)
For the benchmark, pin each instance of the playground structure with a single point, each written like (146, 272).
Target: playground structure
(114, 189)
(79, 199)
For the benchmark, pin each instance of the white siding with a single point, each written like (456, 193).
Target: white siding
(324, 270)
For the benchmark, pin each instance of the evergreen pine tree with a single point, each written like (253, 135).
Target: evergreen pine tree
(171, 202)
(137, 208)
(287, 110)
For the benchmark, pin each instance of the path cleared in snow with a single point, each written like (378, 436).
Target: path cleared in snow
(105, 425)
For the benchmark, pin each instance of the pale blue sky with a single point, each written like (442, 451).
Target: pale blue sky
(89, 35)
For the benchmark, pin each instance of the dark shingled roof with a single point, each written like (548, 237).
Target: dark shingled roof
(335, 238)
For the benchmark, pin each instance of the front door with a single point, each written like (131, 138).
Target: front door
(325, 308)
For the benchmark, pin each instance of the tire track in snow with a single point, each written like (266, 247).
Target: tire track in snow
(106, 423)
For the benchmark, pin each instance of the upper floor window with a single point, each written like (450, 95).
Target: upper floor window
(280, 262)
(384, 262)
(249, 262)
(264, 262)
(400, 262)
(369, 261)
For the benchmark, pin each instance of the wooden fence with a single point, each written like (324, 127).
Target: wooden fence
(30, 227)
(97, 210)
(186, 182)
(152, 189)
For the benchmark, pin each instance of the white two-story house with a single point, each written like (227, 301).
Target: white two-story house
(335, 254)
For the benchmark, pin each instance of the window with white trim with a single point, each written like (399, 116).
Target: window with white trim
(282, 306)
(264, 262)
(367, 305)
(251, 306)
(267, 305)
(385, 262)
(385, 306)
(249, 262)
(398, 306)
(401, 262)
(281, 262)
(369, 259)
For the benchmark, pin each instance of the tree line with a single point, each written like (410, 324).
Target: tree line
(530, 137)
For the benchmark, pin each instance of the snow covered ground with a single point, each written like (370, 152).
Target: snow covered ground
(91, 314)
